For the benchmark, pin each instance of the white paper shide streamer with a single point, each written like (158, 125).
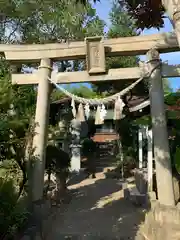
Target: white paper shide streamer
(103, 113)
(73, 108)
(118, 108)
(87, 110)
(80, 114)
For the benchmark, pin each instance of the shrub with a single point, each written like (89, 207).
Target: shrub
(58, 162)
(88, 147)
(177, 159)
(12, 211)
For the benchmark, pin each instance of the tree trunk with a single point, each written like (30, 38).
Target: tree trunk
(172, 8)
(60, 184)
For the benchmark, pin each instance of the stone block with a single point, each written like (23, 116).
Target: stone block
(141, 177)
(126, 193)
(95, 55)
(136, 197)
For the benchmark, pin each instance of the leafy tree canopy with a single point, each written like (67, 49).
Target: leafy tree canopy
(166, 86)
(79, 90)
(146, 13)
(47, 21)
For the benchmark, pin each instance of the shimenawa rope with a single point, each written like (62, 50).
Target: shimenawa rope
(101, 101)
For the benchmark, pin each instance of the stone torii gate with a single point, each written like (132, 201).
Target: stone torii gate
(94, 49)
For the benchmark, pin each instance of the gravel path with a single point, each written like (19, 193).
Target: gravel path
(97, 210)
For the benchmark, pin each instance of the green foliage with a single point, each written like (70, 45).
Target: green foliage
(17, 105)
(144, 120)
(84, 91)
(17, 108)
(129, 161)
(88, 147)
(166, 86)
(12, 213)
(79, 90)
(13, 126)
(172, 98)
(9, 170)
(48, 21)
(174, 141)
(57, 160)
(177, 159)
(57, 95)
(59, 130)
(127, 130)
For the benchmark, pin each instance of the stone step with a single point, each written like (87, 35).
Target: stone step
(135, 196)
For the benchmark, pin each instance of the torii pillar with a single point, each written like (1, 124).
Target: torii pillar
(159, 130)
(41, 129)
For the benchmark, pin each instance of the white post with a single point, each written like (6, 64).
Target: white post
(160, 135)
(75, 146)
(140, 140)
(122, 159)
(41, 127)
(150, 161)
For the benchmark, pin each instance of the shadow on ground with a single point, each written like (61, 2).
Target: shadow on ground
(97, 210)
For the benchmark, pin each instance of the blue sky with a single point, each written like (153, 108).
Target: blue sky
(103, 9)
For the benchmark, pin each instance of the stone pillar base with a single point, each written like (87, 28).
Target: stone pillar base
(75, 158)
(75, 164)
(161, 222)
